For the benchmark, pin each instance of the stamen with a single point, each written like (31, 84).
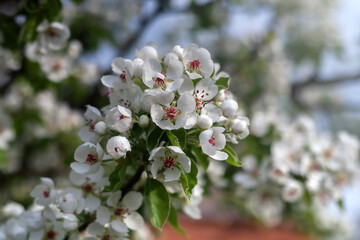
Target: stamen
(212, 141)
(169, 162)
(91, 159)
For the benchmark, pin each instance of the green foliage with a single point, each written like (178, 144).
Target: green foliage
(153, 136)
(116, 178)
(157, 201)
(201, 158)
(173, 220)
(177, 137)
(189, 180)
(37, 11)
(232, 158)
(222, 83)
(91, 30)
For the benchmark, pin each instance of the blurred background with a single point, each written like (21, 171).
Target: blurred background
(285, 59)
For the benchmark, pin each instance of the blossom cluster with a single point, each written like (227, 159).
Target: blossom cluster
(58, 57)
(303, 166)
(28, 118)
(167, 118)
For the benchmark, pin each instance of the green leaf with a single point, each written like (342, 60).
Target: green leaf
(116, 178)
(28, 30)
(53, 10)
(157, 201)
(232, 158)
(200, 157)
(173, 220)
(222, 83)
(153, 137)
(340, 204)
(195, 81)
(189, 180)
(177, 137)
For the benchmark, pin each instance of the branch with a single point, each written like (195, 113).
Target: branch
(127, 46)
(313, 81)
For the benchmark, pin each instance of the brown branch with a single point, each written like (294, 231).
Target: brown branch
(314, 81)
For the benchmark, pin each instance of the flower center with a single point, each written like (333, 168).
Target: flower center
(121, 117)
(51, 234)
(194, 65)
(119, 212)
(328, 153)
(46, 194)
(91, 125)
(169, 162)
(91, 159)
(57, 67)
(123, 76)
(160, 82)
(292, 192)
(124, 103)
(107, 237)
(212, 141)
(86, 187)
(52, 32)
(171, 113)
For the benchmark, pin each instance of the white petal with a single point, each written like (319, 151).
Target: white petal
(119, 226)
(80, 168)
(187, 86)
(103, 215)
(95, 229)
(184, 162)
(110, 81)
(92, 203)
(186, 103)
(172, 174)
(156, 166)
(220, 156)
(132, 200)
(134, 221)
(113, 199)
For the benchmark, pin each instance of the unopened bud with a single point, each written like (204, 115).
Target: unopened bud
(238, 126)
(100, 128)
(144, 121)
(204, 121)
(229, 107)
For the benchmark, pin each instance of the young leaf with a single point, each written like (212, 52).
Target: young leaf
(53, 10)
(233, 158)
(177, 137)
(189, 180)
(157, 202)
(222, 83)
(153, 137)
(116, 178)
(200, 156)
(173, 220)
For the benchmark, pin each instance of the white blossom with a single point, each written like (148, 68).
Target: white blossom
(168, 160)
(119, 119)
(212, 141)
(45, 192)
(88, 158)
(118, 146)
(52, 36)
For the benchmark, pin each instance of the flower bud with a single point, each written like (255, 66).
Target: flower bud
(204, 121)
(144, 121)
(221, 96)
(229, 107)
(100, 127)
(238, 125)
(118, 146)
